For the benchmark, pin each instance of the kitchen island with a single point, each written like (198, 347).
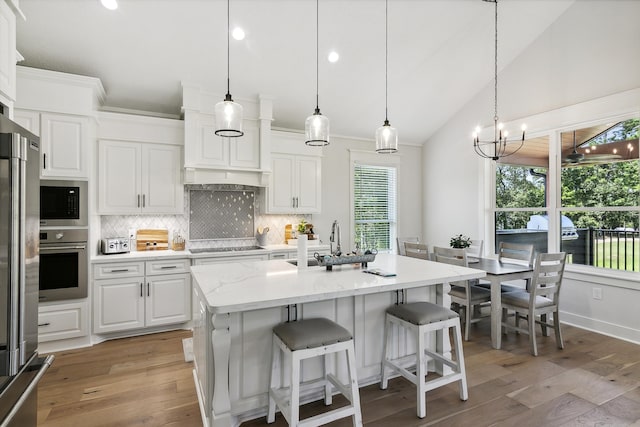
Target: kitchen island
(236, 306)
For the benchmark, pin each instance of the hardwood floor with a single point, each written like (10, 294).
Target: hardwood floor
(595, 380)
(126, 382)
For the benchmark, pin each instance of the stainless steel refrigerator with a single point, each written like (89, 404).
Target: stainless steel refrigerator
(20, 366)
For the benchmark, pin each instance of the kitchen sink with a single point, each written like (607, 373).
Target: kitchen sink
(311, 262)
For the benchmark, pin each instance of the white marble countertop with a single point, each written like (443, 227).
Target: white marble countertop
(261, 284)
(293, 248)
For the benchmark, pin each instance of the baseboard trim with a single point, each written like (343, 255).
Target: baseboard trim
(605, 328)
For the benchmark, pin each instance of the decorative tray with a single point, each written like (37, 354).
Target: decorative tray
(330, 260)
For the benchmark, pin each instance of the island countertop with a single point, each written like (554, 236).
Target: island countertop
(243, 286)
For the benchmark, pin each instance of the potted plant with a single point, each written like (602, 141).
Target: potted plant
(460, 241)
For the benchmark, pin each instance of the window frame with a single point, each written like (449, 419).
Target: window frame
(369, 158)
(617, 107)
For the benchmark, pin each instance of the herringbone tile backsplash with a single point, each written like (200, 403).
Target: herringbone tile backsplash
(215, 215)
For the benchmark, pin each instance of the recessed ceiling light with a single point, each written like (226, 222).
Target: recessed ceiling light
(110, 4)
(333, 56)
(238, 33)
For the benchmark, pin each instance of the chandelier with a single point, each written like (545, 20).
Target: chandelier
(497, 148)
(386, 135)
(316, 127)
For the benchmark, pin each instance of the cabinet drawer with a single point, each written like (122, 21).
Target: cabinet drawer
(61, 322)
(114, 270)
(171, 266)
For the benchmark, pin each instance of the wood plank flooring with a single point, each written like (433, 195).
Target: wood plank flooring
(595, 380)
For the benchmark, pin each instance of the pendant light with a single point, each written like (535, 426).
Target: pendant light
(386, 136)
(497, 148)
(228, 113)
(316, 127)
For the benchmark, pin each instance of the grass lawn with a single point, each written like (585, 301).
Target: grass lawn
(612, 253)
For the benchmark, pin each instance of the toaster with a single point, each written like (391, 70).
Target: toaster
(114, 245)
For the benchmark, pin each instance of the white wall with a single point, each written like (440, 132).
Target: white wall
(590, 52)
(336, 203)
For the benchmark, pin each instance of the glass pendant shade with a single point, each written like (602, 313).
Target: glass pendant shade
(386, 138)
(228, 118)
(316, 130)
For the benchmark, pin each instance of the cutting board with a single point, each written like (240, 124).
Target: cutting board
(160, 237)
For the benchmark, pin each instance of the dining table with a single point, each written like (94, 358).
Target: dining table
(497, 273)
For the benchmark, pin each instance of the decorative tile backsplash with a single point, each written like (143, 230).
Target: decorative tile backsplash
(119, 225)
(221, 214)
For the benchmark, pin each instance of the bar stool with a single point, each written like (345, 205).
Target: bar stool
(301, 340)
(420, 318)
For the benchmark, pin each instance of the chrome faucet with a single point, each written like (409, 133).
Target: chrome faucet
(335, 229)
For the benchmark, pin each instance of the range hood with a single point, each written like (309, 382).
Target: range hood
(254, 178)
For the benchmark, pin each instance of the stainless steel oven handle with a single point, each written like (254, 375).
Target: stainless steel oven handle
(61, 248)
(27, 392)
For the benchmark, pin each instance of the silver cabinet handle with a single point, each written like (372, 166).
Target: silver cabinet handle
(148, 289)
(143, 200)
(141, 290)
(166, 267)
(44, 324)
(61, 248)
(44, 158)
(123, 270)
(138, 200)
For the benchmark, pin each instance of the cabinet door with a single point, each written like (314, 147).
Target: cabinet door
(280, 192)
(168, 299)
(118, 305)
(30, 120)
(64, 146)
(119, 177)
(308, 180)
(244, 152)
(7, 51)
(162, 190)
(203, 148)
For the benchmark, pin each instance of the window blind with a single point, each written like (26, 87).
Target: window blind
(374, 206)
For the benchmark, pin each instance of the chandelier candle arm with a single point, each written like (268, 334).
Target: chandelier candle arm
(386, 135)
(228, 113)
(316, 127)
(497, 148)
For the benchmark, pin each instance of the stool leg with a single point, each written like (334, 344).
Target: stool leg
(385, 349)
(355, 391)
(275, 369)
(294, 390)
(464, 393)
(328, 398)
(420, 374)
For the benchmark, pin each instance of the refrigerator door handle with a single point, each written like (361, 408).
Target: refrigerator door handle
(30, 388)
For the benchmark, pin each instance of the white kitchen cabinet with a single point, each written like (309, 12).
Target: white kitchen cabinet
(231, 258)
(7, 52)
(208, 150)
(64, 146)
(63, 142)
(124, 299)
(294, 185)
(62, 321)
(139, 178)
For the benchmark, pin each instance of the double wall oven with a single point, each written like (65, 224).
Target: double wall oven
(63, 240)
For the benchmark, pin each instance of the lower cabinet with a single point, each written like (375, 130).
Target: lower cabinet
(62, 321)
(123, 301)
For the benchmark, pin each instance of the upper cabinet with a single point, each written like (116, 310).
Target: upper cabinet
(211, 159)
(295, 183)
(8, 12)
(139, 165)
(63, 141)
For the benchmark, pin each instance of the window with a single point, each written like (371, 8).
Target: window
(374, 206)
(585, 202)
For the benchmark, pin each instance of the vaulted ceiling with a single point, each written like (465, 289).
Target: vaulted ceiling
(440, 54)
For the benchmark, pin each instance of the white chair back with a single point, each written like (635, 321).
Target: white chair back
(400, 242)
(416, 250)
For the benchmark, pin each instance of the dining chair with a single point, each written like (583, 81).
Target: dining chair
(475, 250)
(542, 298)
(416, 250)
(463, 293)
(513, 253)
(401, 240)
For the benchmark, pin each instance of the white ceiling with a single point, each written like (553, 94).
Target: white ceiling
(440, 54)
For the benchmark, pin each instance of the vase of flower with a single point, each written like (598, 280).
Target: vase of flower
(460, 241)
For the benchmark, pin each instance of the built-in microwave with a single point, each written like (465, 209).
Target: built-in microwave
(63, 203)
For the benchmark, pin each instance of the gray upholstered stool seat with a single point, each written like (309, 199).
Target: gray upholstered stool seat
(310, 333)
(421, 313)
(305, 339)
(420, 318)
